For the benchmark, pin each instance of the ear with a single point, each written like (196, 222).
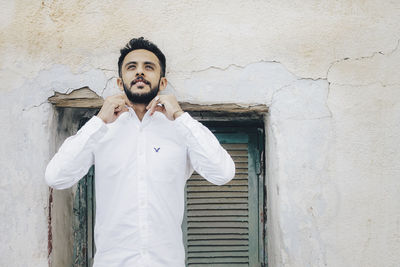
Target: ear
(120, 84)
(163, 83)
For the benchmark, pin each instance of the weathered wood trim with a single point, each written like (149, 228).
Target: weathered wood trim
(86, 98)
(79, 98)
(231, 108)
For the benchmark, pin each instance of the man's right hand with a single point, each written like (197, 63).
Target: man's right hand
(112, 107)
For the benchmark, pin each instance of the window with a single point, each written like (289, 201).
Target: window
(223, 225)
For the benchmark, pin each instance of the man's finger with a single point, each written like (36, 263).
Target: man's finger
(124, 109)
(154, 104)
(159, 108)
(150, 104)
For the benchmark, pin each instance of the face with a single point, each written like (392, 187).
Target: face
(141, 76)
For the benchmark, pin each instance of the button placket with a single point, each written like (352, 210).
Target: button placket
(142, 188)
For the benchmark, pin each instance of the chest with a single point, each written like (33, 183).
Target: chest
(157, 147)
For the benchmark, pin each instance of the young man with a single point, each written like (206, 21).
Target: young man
(144, 148)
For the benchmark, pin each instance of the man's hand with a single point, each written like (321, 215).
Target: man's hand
(166, 104)
(112, 107)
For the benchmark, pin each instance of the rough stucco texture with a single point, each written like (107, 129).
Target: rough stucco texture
(328, 70)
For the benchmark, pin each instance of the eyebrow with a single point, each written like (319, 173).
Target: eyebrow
(135, 63)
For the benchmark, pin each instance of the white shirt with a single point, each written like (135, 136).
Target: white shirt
(141, 168)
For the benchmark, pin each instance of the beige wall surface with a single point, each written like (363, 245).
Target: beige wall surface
(327, 70)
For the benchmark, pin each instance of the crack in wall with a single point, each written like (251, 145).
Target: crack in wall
(275, 92)
(222, 68)
(362, 58)
(107, 82)
(311, 119)
(250, 63)
(357, 59)
(373, 54)
(104, 69)
(35, 106)
(367, 84)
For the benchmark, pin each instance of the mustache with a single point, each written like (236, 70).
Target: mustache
(140, 79)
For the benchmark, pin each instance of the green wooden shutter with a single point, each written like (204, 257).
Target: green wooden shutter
(84, 221)
(222, 226)
(84, 208)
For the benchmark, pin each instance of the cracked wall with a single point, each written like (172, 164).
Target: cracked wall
(328, 71)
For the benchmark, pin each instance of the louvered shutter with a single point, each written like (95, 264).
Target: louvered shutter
(84, 208)
(221, 226)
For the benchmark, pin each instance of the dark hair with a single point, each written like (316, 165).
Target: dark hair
(141, 43)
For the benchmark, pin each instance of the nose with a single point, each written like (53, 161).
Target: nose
(139, 71)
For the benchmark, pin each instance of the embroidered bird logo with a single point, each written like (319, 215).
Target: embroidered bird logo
(156, 149)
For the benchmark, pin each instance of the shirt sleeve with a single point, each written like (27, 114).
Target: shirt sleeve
(75, 156)
(206, 154)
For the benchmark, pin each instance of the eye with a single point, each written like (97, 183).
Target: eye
(149, 67)
(131, 67)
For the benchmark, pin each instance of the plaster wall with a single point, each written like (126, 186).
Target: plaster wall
(328, 70)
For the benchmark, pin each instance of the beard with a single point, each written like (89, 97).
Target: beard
(142, 98)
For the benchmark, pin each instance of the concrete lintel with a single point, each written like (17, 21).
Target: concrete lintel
(85, 98)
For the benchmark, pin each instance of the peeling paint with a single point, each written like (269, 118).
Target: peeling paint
(328, 71)
(50, 232)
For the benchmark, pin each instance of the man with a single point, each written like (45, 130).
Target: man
(144, 148)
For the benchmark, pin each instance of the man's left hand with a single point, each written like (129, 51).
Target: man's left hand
(166, 104)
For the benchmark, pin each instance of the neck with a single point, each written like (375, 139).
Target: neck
(140, 110)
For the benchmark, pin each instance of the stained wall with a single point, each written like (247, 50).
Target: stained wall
(327, 70)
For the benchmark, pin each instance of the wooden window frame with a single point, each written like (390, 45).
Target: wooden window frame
(238, 117)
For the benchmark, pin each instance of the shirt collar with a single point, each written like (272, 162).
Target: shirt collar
(146, 118)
